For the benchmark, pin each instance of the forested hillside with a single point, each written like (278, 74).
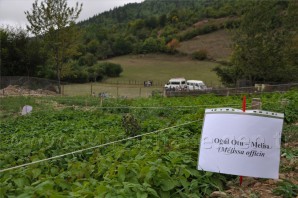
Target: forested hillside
(152, 26)
(157, 8)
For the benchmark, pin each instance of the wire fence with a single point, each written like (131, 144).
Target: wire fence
(149, 83)
(145, 83)
(257, 89)
(94, 103)
(111, 90)
(63, 103)
(24, 85)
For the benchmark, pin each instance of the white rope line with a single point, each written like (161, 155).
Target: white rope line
(135, 107)
(94, 147)
(164, 107)
(156, 107)
(172, 107)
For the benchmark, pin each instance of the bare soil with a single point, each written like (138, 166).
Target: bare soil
(15, 90)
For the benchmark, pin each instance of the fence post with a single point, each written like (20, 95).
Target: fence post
(91, 89)
(101, 99)
(284, 103)
(140, 92)
(256, 103)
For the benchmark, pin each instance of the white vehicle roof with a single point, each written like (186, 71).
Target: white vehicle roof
(177, 79)
(195, 81)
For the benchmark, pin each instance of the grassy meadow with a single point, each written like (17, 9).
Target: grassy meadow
(217, 44)
(138, 68)
(163, 67)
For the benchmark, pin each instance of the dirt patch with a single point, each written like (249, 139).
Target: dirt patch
(200, 23)
(15, 90)
(263, 188)
(217, 44)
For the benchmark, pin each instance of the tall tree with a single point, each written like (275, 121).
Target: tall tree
(54, 21)
(259, 41)
(19, 54)
(261, 44)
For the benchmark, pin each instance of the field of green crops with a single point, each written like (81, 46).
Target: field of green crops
(158, 164)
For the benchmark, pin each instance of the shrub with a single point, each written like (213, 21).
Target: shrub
(87, 60)
(72, 72)
(198, 31)
(232, 24)
(96, 73)
(150, 45)
(130, 125)
(111, 69)
(99, 71)
(172, 45)
(77, 76)
(200, 55)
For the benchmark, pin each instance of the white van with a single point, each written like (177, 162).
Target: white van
(195, 85)
(176, 84)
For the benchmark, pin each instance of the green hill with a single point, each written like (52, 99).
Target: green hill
(151, 26)
(197, 29)
(155, 8)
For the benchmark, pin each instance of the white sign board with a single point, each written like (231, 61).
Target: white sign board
(241, 143)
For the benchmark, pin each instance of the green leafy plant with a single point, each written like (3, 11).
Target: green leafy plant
(286, 189)
(162, 164)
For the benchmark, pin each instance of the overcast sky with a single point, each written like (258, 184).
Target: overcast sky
(12, 11)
